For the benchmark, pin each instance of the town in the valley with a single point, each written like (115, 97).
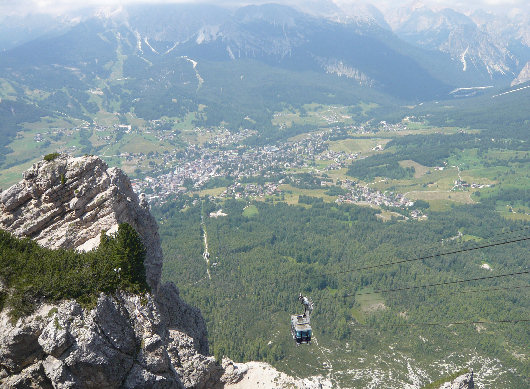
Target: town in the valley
(230, 161)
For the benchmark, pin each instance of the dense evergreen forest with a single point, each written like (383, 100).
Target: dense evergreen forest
(261, 259)
(33, 274)
(430, 150)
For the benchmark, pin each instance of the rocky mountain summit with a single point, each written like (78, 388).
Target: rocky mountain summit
(67, 202)
(148, 341)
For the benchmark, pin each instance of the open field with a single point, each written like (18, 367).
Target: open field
(386, 215)
(440, 180)
(185, 123)
(250, 211)
(292, 193)
(339, 174)
(516, 216)
(13, 174)
(419, 129)
(363, 146)
(6, 90)
(460, 197)
(211, 192)
(314, 114)
(36, 140)
(370, 302)
(419, 170)
(105, 118)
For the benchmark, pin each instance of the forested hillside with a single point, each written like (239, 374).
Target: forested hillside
(264, 254)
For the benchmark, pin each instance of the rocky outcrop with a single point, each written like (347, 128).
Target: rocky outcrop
(126, 341)
(523, 76)
(464, 381)
(261, 375)
(67, 202)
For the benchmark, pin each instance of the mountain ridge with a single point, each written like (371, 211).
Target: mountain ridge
(125, 340)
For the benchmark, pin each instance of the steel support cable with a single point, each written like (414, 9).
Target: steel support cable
(490, 289)
(496, 288)
(517, 231)
(442, 283)
(427, 324)
(526, 228)
(431, 256)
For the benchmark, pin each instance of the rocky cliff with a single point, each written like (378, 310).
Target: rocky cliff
(464, 381)
(129, 341)
(67, 202)
(523, 76)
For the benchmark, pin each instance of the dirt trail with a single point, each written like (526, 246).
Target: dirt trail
(206, 254)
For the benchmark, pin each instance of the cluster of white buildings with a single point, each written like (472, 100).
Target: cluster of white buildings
(364, 194)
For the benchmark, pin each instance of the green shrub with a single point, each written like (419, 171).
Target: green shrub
(34, 274)
(443, 380)
(50, 157)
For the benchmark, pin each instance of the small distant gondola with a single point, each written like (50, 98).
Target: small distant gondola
(300, 324)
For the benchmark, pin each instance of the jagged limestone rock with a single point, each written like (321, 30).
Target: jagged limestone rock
(465, 381)
(68, 202)
(126, 341)
(33, 377)
(523, 76)
(233, 373)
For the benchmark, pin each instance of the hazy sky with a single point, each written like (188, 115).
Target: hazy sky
(8, 7)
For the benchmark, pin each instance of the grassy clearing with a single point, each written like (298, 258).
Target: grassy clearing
(514, 215)
(467, 238)
(420, 170)
(358, 315)
(135, 121)
(436, 384)
(459, 197)
(292, 194)
(13, 174)
(105, 118)
(322, 163)
(386, 215)
(145, 143)
(367, 107)
(353, 145)
(370, 302)
(6, 90)
(211, 192)
(503, 155)
(250, 211)
(31, 144)
(25, 147)
(471, 177)
(48, 122)
(185, 123)
(440, 205)
(338, 174)
(431, 180)
(136, 143)
(315, 114)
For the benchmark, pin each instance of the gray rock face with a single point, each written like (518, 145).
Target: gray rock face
(523, 76)
(465, 381)
(126, 341)
(67, 202)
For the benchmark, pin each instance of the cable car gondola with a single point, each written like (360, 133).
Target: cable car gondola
(300, 324)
